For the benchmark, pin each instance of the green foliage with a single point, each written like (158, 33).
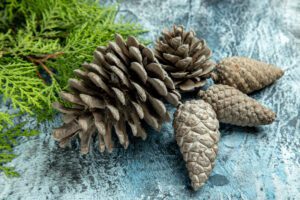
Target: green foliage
(25, 90)
(56, 35)
(5, 119)
(8, 139)
(41, 43)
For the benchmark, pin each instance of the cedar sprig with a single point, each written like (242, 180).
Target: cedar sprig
(49, 39)
(24, 88)
(41, 43)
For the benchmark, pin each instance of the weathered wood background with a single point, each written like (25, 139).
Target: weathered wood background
(256, 163)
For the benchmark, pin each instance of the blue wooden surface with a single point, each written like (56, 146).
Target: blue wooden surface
(256, 163)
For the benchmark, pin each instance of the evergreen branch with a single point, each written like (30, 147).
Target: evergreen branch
(23, 88)
(5, 118)
(8, 139)
(41, 43)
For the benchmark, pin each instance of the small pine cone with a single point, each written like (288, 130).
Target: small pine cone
(234, 107)
(124, 85)
(196, 128)
(185, 57)
(245, 74)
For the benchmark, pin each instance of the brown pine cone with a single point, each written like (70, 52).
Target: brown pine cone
(124, 85)
(196, 128)
(234, 107)
(185, 57)
(245, 74)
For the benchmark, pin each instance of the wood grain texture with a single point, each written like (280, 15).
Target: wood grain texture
(256, 163)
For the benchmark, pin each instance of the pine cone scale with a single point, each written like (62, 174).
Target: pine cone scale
(65, 131)
(156, 70)
(99, 123)
(118, 51)
(85, 139)
(191, 85)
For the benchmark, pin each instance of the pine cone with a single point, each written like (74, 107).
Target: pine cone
(197, 135)
(245, 74)
(234, 107)
(185, 58)
(122, 86)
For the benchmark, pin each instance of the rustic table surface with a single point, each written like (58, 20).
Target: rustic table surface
(256, 163)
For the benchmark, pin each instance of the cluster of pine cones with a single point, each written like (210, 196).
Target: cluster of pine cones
(127, 85)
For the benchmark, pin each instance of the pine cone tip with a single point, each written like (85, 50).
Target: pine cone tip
(268, 118)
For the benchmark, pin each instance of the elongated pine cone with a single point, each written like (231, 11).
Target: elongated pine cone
(123, 85)
(234, 107)
(185, 57)
(245, 74)
(197, 135)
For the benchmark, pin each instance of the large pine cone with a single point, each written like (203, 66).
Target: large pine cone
(196, 128)
(122, 86)
(185, 58)
(245, 74)
(234, 107)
